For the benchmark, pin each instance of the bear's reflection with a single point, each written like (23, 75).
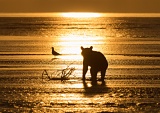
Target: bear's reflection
(92, 88)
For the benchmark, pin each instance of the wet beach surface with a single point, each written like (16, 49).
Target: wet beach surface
(73, 97)
(127, 88)
(131, 46)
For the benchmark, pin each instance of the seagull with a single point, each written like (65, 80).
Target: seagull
(54, 52)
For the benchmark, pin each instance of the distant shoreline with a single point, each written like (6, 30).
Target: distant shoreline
(59, 14)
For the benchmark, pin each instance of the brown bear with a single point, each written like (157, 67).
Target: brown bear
(96, 60)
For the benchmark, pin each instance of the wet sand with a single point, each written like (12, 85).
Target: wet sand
(131, 46)
(76, 96)
(126, 88)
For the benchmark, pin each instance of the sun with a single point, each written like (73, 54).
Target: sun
(81, 15)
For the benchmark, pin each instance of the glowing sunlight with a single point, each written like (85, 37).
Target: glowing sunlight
(75, 42)
(81, 15)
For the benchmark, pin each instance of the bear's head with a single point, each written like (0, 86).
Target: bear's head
(86, 51)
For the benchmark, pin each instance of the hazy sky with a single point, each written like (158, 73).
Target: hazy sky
(122, 6)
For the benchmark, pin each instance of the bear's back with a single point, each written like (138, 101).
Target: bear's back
(97, 59)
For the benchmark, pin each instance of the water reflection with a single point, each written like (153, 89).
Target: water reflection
(70, 43)
(92, 89)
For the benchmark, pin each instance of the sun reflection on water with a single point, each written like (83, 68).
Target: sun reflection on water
(74, 43)
(81, 15)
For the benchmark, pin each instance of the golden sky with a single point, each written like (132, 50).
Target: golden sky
(111, 6)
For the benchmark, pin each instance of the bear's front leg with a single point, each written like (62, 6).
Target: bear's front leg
(85, 69)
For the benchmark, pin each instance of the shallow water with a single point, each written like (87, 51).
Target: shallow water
(127, 88)
(131, 46)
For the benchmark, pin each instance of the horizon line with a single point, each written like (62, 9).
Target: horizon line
(59, 14)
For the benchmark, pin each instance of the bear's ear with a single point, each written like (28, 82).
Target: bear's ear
(91, 47)
(82, 48)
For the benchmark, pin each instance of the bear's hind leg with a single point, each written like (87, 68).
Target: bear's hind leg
(93, 75)
(103, 73)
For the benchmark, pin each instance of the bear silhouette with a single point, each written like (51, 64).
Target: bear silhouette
(96, 60)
